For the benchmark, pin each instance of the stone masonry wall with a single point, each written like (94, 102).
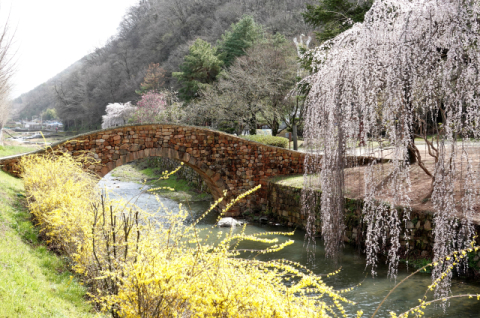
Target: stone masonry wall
(225, 162)
(284, 203)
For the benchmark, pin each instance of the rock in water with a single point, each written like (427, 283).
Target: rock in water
(228, 222)
(263, 220)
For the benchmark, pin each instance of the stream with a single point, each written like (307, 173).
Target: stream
(367, 296)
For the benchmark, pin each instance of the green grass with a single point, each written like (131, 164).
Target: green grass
(34, 282)
(128, 173)
(6, 151)
(419, 263)
(183, 190)
(268, 140)
(173, 182)
(295, 181)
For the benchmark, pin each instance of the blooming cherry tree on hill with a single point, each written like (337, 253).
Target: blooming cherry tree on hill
(150, 107)
(153, 107)
(159, 107)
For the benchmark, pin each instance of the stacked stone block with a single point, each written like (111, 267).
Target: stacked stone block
(284, 203)
(225, 162)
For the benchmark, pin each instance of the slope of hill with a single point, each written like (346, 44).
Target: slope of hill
(153, 31)
(41, 97)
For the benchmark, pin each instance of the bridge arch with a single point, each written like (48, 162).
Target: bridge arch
(224, 161)
(216, 187)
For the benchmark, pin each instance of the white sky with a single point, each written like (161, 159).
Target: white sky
(50, 35)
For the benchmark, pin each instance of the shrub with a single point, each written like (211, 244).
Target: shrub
(140, 266)
(58, 194)
(269, 140)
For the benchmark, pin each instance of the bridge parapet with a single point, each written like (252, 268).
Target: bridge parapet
(224, 161)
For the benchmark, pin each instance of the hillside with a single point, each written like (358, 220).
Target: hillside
(153, 31)
(41, 97)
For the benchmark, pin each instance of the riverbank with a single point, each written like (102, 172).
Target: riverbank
(284, 206)
(11, 149)
(34, 282)
(34, 138)
(352, 262)
(142, 172)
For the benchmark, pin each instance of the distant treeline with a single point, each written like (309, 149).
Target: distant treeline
(153, 31)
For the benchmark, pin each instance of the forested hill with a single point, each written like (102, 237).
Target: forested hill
(43, 96)
(153, 31)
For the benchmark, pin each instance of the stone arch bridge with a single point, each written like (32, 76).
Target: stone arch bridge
(224, 161)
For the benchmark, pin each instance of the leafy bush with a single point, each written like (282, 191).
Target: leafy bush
(140, 266)
(269, 140)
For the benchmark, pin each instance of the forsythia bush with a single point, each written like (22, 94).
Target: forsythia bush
(59, 194)
(139, 265)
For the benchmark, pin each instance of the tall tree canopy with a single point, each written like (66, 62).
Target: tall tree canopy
(333, 17)
(200, 67)
(254, 88)
(6, 72)
(241, 36)
(152, 32)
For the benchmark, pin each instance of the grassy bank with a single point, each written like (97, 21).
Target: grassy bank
(10, 150)
(295, 181)
(34, 282)
(138, 267)
(137, 172)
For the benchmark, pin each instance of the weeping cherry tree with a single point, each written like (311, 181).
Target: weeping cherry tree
(117, 114)
(410, 70)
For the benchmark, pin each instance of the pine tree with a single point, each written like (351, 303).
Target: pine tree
(238, 39)
(335, 16)
(200, 68)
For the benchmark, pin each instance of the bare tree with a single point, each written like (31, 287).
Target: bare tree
(152, 32)
(6, 72)
(254, 88)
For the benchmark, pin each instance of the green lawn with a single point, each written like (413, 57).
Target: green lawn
(34, 282)
(6, 151)
(184, 191)
(295, 181)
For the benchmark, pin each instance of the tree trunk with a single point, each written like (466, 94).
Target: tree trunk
(253, 124)
(294, 137)
(411, 155)
(275, 126)
(1, 135)
(238, 129)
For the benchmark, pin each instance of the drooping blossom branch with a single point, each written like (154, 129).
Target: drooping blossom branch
(411, 63)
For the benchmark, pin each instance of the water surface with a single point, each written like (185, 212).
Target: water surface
(367, 296)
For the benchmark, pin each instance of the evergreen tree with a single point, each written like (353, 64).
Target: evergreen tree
(241, 36)
(200, 68)
(335, 16)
